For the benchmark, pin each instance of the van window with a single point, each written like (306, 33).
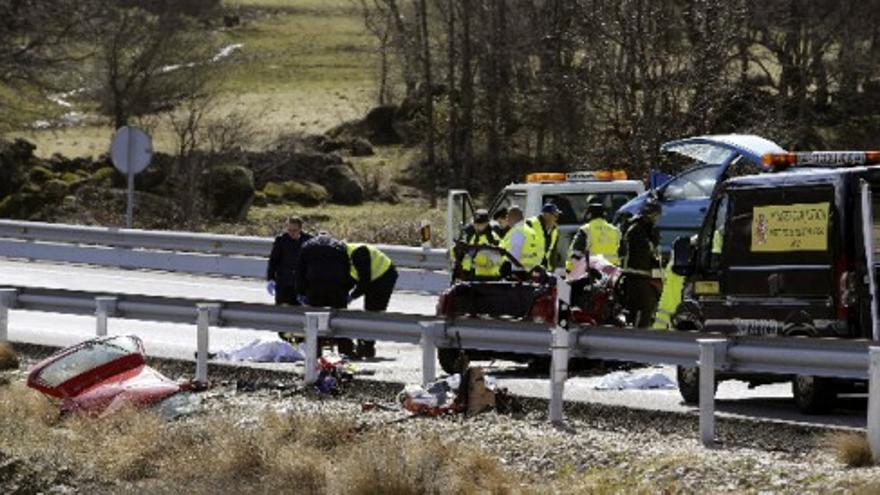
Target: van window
(574, 206)
(781, 226)
(693, 184)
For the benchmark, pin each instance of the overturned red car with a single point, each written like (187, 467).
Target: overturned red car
(101, 376)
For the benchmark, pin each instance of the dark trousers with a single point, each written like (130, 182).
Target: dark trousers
(378, 293)
(641, 300)
(286, 294)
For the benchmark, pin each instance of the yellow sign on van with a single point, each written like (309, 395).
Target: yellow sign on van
(795, 227)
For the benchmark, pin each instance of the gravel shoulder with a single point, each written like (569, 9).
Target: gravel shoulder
(604, 449)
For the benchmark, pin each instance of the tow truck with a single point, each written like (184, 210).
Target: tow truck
(570, 192)
(531, 296)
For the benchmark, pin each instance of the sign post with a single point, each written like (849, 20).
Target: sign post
(130, 152)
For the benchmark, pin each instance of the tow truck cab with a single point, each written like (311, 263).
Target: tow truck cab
(568, 191)
(786, 254)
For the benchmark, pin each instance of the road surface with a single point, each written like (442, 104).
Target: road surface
(395, 362)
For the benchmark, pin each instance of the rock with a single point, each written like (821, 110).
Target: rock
(360, 147)
(305, 193)
(8, 357)
(260, 199)
(230, 191)
(343, 185)
(40, 175)
(379, 125)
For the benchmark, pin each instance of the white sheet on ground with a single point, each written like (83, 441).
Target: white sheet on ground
(628, 380)
(264, 351)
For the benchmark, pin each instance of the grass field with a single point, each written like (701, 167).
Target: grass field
(304, 66)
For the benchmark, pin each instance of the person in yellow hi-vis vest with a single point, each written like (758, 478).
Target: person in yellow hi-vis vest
(374, 275)
(595, 237)
(521, 241)
(478, 264)
(673, 290)
(546, 233)
(670, 298)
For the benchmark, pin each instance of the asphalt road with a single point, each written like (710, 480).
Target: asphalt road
(394, 362)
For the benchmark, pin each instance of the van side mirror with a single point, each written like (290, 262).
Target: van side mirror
(682, 257)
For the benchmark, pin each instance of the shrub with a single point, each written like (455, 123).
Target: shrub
(851, 449)
(40, 175)
(104, 175)
(8, 358)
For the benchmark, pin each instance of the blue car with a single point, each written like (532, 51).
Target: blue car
(686, 196)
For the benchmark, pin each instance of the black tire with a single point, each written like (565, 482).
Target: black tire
(813, 394)
(689, 383)
(449, 361)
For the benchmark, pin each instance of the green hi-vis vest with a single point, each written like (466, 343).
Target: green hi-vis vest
(673, 286)
(532, 253)
(379, 261)
(546, 250)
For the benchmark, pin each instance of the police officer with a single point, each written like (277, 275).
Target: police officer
(521, 240)
(546, 233)
(281, 270)
(595, 237)
(638, 258)
(374, 276)
(479, 264)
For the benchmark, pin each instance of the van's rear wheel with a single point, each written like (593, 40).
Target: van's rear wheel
(813, 394)
(689, 383)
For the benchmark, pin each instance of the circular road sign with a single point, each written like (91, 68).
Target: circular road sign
(131, 150)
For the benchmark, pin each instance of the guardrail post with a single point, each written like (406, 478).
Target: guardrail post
(104, 308)
(208, 313)
(874, 401)
(559, 350)
(315, 322)
(429, 350)
(708, 349)
(7, 300)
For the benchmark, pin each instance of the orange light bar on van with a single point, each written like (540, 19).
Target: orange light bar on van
(546, 177)
(777, 161)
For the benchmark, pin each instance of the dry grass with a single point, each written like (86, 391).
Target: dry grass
(265, 453)
(851, 449)
(8, 358)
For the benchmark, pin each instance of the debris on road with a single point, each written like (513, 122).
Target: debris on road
(473, 394)
(333, 372)
(8, 358)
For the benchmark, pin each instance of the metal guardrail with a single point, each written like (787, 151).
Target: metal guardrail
(228, 245)
(187, 252)
(855, 359)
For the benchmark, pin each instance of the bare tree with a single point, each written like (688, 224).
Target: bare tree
(145, 62)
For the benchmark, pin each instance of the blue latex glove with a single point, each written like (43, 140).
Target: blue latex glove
(302, 300)
(270, 287)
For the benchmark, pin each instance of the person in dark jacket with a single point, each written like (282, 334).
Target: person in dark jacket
(638, 260)
(323, 278)
(374, 276)
(281, 271)
(322, 273)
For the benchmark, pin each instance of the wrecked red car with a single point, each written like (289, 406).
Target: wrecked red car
(101, 376)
